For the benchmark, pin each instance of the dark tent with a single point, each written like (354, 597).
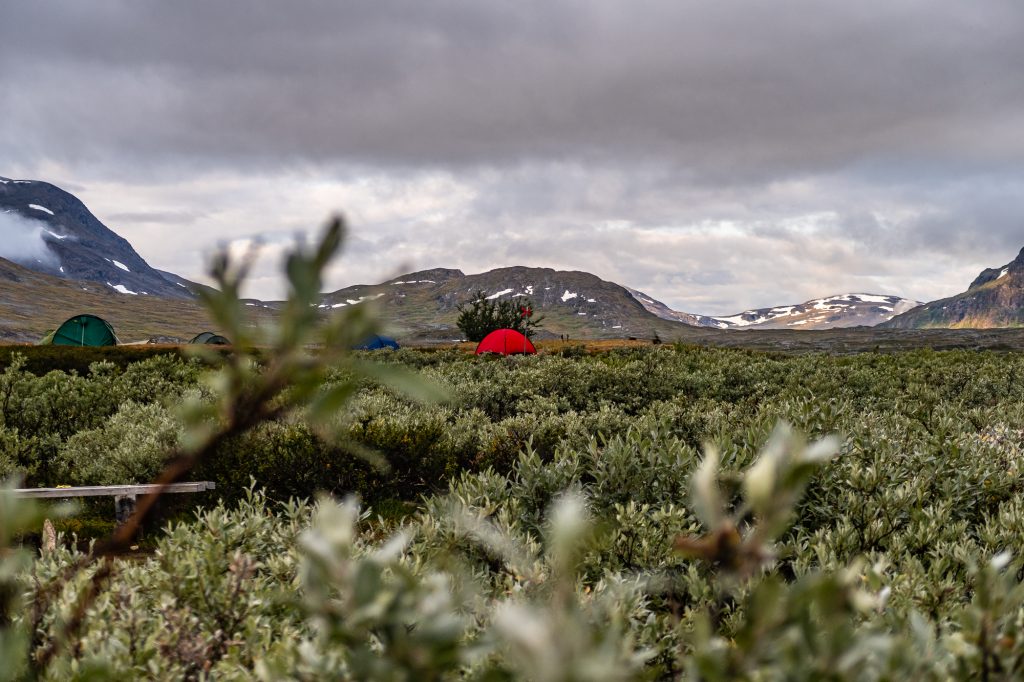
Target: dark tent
(211, 338)
(376, 342)
(506, 342)
(82, 330)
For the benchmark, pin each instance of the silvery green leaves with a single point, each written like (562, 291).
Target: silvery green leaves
(17, 517)
(382, 620)
(381, 612)
(739, 540)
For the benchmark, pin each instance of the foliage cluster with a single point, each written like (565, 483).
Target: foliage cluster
(66, 428)
(926, 493)
(42, 359)
(483, 314)
(634, 558)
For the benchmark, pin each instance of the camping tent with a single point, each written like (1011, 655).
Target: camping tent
(506, 342)
(211, 338)
(376, 342)
(82, 330)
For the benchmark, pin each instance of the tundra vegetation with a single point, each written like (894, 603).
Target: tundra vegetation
(659, 513)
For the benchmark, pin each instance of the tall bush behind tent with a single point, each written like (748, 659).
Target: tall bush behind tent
(481, 316)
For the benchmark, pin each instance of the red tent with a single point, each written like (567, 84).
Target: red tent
(506, 342)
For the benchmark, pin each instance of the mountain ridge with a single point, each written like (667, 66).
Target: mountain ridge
(839, 311)
(994, 299)
(77, 246)
(424, 304)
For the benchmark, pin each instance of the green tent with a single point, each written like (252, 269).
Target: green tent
(211, 338)
(82, 330)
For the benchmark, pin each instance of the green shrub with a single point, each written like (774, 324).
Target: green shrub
(131, 447)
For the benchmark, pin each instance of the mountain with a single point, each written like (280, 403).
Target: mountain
(32, 303)
(62, 259)
(833, 312)
(50, 231)
(994, 299)
(57, 259)
(578, 304)
(664, 312)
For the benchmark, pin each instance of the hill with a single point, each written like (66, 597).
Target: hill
(51, 231)
(994, 299)
(424, 305)
(832, 312)
(33, 303)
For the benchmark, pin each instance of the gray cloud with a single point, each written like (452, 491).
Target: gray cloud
(726, 90)
(719, 155)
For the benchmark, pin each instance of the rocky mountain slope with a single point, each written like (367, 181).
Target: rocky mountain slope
(59, 253)
(52, 232)
(994, 299)
(664, 312)
(578, 304)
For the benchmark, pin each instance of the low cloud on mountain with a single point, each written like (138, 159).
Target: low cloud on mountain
(23, 241)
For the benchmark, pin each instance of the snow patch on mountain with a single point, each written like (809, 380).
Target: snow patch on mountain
(122, 289)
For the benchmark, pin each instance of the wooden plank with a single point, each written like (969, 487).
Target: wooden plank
(114, 490)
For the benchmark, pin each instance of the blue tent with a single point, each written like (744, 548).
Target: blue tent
(377, 343)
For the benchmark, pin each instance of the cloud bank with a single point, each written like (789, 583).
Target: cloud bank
(720, 156)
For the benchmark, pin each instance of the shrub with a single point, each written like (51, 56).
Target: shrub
(481, 316)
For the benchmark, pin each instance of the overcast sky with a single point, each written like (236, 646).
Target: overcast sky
(717, 155)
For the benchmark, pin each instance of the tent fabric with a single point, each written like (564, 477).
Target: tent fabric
(211, 338)
(505, 342)
(83, 330)
(376, 342)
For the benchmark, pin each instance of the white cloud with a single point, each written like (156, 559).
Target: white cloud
(22, 240)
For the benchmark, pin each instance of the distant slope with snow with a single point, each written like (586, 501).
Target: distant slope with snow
(663, 311)
(51, 231)
(832, 312)
(32, 303)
